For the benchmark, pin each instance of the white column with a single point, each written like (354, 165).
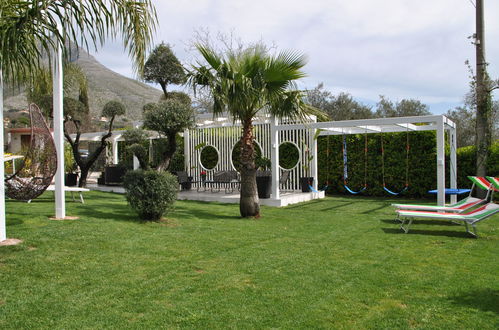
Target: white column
(274, 156)
(187, 158)
(60, 203)
(3, 229)
(440, 162)
(115, 150)
(453, 162)
(136, 163)
(314, 168)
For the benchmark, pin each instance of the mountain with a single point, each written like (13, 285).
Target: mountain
(104, 85)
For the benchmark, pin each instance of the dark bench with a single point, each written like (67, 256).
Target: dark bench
(184, 180)
(227, 179)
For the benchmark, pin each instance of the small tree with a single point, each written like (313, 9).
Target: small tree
(136, 138)
(72, 111)
(168, 118)
(163, 67)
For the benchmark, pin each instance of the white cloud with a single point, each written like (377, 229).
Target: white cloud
(398, 48)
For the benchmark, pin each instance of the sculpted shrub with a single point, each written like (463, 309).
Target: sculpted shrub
(150, 193)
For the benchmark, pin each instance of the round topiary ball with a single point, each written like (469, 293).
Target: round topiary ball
(150, 193)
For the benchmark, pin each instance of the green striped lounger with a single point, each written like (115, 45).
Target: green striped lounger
(469, 218)
(459, 207)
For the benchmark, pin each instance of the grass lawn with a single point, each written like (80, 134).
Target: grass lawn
(335, 263)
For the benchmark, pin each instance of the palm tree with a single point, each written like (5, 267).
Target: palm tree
(243, 83)
(32, 27)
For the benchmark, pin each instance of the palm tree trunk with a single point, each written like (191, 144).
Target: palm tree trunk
(249, 205)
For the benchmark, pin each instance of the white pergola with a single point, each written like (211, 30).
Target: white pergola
(223, 133)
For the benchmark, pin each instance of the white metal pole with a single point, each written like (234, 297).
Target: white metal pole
(3, 229)
(315, 170)
(115, 150)
(440, 161)
(187, 158)
(136, 163)
(453, 162)
(274, 155)
(60, 203)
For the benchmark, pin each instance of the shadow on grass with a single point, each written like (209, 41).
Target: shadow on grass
(423, 222)
(178, 211)
(376, 209)
(462, 234)
(484, 299)
(112, 212)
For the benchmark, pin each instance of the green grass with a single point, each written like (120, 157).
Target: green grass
(335, 263)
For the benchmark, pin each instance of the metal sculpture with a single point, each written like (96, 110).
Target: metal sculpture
(39, 163)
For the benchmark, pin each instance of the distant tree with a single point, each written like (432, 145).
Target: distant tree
(203, 102)
(179, 96)
(163, 67)
(464, 118)
(168, 118)
(340, 107)
(407, 107)
(73, 110)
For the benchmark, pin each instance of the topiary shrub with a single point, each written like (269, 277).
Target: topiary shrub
(150, 193)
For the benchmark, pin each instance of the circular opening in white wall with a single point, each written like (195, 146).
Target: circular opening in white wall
(236, 154)
(289, 155)
(208, 157)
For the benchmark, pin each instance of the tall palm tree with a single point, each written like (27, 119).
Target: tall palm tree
(243, 83)
(31, 27)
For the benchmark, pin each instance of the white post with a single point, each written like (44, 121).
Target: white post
(115, 150)
(453, 163)
(274, 156)
(187, 159)
(136, 163)
(314, 168)
(440, 162)
(60, 203)
(3, 229)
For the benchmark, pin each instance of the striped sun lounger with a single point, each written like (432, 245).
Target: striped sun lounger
(494, 181)
(470, 218)
(459, 207)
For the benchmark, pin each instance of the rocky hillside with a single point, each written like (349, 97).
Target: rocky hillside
(104, 85)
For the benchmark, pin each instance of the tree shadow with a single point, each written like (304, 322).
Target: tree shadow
(179, 211)
(457, 234)
(376, 209)
(484, 299)
(343, 204)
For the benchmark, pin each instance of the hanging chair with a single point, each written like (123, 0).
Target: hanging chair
(39, 164)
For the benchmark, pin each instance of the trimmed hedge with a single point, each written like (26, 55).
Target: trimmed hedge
(150, 193)
(422, 163)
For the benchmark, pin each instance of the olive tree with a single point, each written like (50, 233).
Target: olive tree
(163, 67)
(168, 118)
(72, 117)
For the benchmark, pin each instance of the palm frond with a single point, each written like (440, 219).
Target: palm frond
(30, 28)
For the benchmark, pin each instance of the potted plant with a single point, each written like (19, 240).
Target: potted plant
(263, 177)
(114, 174)
(306, 181)
(70, 167)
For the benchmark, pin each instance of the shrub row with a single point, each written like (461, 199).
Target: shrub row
(421, 170)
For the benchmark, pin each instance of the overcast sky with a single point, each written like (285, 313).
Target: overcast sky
(397, 48)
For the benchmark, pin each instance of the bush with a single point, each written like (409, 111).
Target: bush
(150, 193)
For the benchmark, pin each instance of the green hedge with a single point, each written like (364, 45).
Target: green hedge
(422, 163)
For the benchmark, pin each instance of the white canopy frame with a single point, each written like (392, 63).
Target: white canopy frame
(438, 123)
(222, 133)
